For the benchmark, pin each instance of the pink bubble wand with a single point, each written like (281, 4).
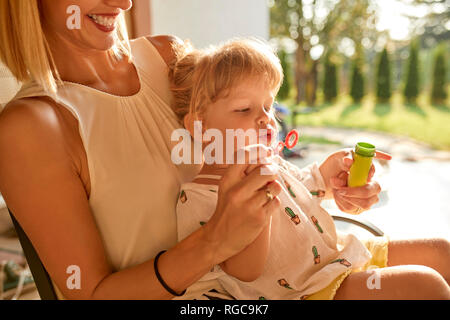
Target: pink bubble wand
(290, 141)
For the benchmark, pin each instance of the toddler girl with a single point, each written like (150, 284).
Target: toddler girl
(299, 255)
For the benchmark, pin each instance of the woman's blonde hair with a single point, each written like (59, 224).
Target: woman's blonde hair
(24, 48)
(200, 77)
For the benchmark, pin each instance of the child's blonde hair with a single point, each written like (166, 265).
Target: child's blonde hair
(24, 48)
(200, 77)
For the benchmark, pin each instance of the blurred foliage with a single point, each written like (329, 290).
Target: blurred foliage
(311, 28)
(285, 88)
(383, 84)
(431, 28)
(318, 25)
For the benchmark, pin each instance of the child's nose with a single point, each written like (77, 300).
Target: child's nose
(264, 117)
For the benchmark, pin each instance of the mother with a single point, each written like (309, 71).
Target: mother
(85, 156)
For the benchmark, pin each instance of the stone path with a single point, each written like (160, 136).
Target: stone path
(401, 148)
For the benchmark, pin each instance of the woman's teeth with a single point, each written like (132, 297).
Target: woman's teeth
(102, 20)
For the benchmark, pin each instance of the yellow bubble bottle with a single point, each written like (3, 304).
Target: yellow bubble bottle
(362, 160)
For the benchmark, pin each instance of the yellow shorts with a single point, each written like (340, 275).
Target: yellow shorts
(378, 247)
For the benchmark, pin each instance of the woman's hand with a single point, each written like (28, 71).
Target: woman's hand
(335, 170)
(243, 207)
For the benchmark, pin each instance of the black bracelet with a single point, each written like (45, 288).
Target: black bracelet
(155, 264)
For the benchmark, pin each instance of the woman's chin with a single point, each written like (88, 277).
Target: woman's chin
(100, 40)
(101, 43)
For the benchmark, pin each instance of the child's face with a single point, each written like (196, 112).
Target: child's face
(247, 106)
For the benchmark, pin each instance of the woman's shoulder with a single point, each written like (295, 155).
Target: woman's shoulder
(40, 133)
(35, 111)
(164, 44)
(24, 112)
(37, 122)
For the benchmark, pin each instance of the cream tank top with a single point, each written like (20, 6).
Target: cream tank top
(134, 183)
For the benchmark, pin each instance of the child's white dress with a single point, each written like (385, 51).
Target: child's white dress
(305, 253)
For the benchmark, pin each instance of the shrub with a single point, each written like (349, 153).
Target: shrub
(383, 80)
(439, 90)
(357, 82)
(329, 80)
(411, 90)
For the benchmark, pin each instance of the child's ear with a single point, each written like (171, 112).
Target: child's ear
(188, 122)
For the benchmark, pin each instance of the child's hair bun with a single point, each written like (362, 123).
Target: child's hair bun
(181, 71)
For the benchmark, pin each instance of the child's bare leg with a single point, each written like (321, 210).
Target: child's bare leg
(433, 253)
(393, 283)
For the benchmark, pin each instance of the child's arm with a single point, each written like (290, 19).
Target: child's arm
(248, 264)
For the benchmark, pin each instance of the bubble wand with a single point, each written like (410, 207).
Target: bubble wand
(290, 142)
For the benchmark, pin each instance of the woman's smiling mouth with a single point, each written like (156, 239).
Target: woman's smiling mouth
(104, 22)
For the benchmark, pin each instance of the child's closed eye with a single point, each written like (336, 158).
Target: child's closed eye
(268, 109)
(242, 110)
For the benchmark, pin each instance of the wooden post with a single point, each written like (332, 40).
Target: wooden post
(139, 19)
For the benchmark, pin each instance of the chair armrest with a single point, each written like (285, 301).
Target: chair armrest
(360, 223)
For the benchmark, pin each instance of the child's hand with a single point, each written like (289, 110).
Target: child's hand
(335, 170)
(262, 153)
(245, 205)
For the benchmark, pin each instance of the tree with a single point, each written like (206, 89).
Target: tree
(357, 82)
(330, 84)
(411, 90)
(285, 88)
(318, 25)
(430, 27)
(439, 90)
(383, 80)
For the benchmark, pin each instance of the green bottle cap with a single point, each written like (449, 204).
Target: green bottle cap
(365, 149)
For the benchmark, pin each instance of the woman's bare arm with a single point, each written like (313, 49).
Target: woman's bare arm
(41, 184)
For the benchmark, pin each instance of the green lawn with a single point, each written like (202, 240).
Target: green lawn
(423, 121)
